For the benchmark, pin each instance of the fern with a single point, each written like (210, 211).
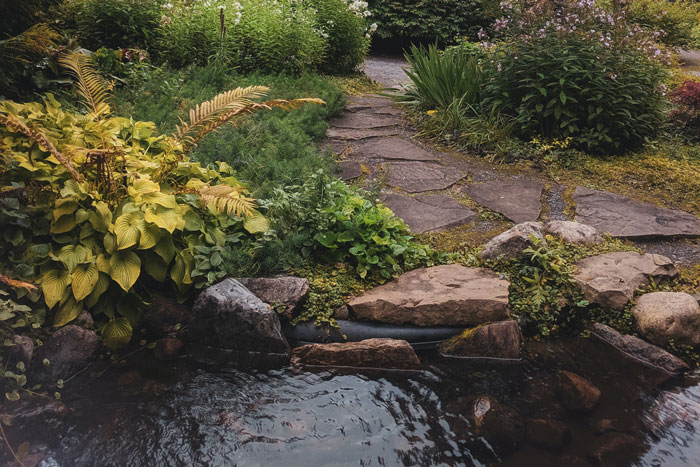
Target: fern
(92, 87)
(228, 199)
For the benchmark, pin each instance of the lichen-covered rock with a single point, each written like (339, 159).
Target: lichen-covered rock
(511, 243)
(369, 353)
(611, 279)
(229, 316)
(68, 351)
(665, 316)
(288, 291)
(450, 295)
(576, 392)
(494, 340)
(573, 232)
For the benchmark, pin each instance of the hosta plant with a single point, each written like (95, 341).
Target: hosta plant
(99, 209)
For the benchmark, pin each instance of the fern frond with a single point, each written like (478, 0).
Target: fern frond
(36, 41)
(16, 125)
(226, 101)
(228, 199)
(92, 87)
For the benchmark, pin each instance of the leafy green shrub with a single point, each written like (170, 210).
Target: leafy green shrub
(114, 23)
(346, 32)
(673, 20)
(438, 79)
(122, 206)
(428, 21)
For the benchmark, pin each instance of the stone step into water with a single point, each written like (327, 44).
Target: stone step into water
(519, 199)
(625, 217)
(428, 213)
(369, 353)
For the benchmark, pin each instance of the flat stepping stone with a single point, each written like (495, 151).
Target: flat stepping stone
(391, 148)
(336, 146)
(349, 170)
(518, 199)
(417, 177)
(426, 213)
(357, 135)
(357, 121)
(356, 103)
(450, 294)
(621, 216)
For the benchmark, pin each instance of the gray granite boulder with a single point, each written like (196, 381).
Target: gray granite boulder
(511, 243)
(611, 279)
(665, 316)
(573, 232)
(229, 316)
(450, 295)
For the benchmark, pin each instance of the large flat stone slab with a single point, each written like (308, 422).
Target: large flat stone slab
(357, 103)
(611, 279)
(442, 295)
(358, 135)
(621, 216)
(518, 199)
(349, 170)
(369, 353)
(362, 121)
(426, 213)
(417, 177)
(391, 148)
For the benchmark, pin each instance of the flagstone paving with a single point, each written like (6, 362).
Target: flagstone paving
(518, 199)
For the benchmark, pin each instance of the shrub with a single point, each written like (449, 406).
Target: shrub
(260, 35)
(674, 21)
(117, 207)
(686, 114)
(428, 21)
(114, 23)
(345, 28)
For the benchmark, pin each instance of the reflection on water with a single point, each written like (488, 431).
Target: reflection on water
(455, 413)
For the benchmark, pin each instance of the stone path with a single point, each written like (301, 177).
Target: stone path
(436, 190)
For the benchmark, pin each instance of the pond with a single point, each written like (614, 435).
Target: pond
(209, 409)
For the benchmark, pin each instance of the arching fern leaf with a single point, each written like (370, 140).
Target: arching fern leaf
(92, 87)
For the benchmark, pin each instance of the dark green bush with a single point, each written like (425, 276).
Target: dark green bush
(605, 99)
(427, 21)
(114, 23)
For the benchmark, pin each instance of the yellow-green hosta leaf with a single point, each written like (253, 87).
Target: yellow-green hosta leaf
(67, 312)
(54, 283)
(164, 218)
(117, 333)
(100, 288)
(161, 199)
(100, 217)
(81, 215)
(84, 279)
(103, 263)
(125, 268)
(193, 222)
(256, 223)
(150, 234)
(126, 228)
(143, 186)
(72, 255)
(165, 248)
(155, 266)
(180, 272)
(110, 243)
(64, 224)
(63, 206)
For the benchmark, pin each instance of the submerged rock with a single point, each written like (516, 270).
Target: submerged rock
(166, 315)
(68, 351)
(577, 393)
(494, 340)
(616, 449)
(511, 243)
(573, 232)
(611, 279)
(369, 353)
(288, 291)
(639, 350)
(451, 295)
(168, 348)
(229, 316)
(665, 316)
(547, 432)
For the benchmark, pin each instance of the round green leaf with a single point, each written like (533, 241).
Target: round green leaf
(85, 278)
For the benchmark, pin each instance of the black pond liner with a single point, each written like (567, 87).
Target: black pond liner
(419, 337)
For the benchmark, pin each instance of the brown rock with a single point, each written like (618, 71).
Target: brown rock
(616, 449)
(283, 290)
(511, 243)
(23, 349)
(639, 350)
(342, 312)
(573, 232)
(442, 295)
(518, 199)
(495, 340)
(428, 213)
(391, 148)
(417, 177)
(349, 170)
(369, 353)
(577, 393)
(69, 350)
(164, 314)
(610, 280)
(665, 316)
(168, 348)
(357, 121)
(548, 433)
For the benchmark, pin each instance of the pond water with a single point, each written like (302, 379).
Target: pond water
(201, 411)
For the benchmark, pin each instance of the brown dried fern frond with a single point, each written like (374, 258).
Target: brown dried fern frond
(228, 199)
(16, 125)
(92, 87)
(36, 41)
